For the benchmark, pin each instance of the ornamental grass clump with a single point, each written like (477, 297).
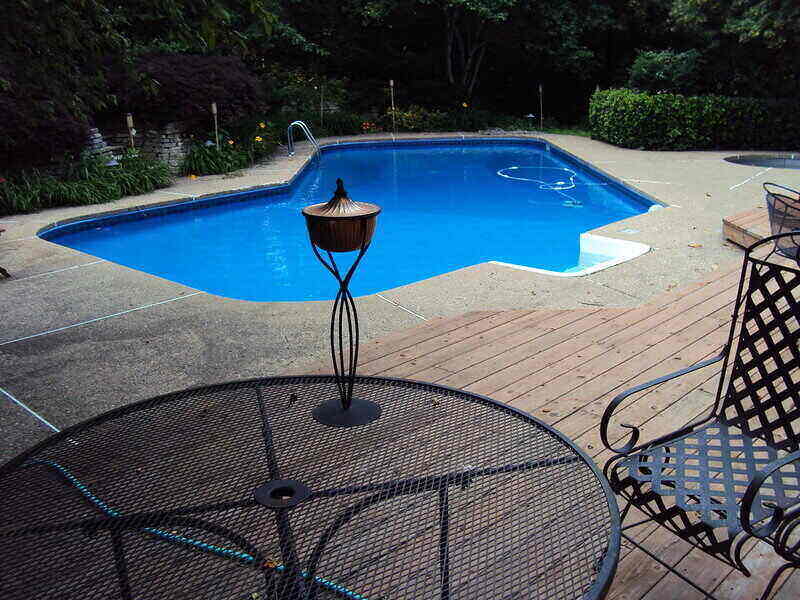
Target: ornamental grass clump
(92, 180)
(207, 159)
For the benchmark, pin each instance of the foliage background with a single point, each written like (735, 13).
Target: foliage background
(65, 66)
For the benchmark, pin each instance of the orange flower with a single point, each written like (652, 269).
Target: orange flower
(230, 142)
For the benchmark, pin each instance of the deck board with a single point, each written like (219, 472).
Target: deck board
(747, 227)
(564, 366)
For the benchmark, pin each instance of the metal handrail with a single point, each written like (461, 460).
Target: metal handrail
(305, 129)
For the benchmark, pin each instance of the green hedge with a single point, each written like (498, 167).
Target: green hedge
(673, 122)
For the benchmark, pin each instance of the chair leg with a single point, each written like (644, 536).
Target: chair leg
(774, 579)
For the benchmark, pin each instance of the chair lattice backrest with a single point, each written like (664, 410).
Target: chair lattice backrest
(762, 396)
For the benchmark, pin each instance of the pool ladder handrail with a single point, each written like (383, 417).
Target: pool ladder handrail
(310, 136)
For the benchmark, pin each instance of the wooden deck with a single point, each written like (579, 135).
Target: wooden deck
(564, 366)
(746, 228)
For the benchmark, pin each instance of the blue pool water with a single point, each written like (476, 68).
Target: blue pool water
(445, 206)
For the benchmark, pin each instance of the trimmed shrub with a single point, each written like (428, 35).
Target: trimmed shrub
(673, 122)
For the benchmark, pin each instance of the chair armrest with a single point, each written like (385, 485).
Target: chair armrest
(635, 433)
(783, 522)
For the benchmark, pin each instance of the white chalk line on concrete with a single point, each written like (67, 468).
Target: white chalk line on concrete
(31, 412)
(181, 194)
(401, 307)
(94, 262)
(648, 181)
(717, 159)
(749, 179)
(95, 320)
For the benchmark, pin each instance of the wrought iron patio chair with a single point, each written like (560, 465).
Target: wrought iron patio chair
(783, 206)
(732, 476)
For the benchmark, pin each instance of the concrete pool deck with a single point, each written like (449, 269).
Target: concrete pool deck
(80, 336)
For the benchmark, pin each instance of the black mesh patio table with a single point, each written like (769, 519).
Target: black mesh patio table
(234, 492)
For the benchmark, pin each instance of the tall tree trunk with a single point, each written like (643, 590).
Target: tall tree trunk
(450, 27)
(465, 47)
(475, 70)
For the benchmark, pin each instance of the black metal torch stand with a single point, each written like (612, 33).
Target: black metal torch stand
(342, 225)
(344, 411)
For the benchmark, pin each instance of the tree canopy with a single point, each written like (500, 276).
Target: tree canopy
(58, 60)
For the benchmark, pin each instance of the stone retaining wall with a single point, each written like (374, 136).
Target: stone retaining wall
(170, 144)
(95, 144)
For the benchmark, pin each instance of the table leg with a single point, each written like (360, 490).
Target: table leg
(295, 581)
(121, 565)
(444, 551)
(266, 431)
(285, 537)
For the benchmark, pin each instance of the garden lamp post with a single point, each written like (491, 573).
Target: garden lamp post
(343, 225)
(216, 123)
(131, 130)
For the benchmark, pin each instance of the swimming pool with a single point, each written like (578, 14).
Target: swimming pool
(446, 204)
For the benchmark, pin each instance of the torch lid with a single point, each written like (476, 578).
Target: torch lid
(341, 206)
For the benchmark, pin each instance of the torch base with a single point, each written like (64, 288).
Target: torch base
(360, 412)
